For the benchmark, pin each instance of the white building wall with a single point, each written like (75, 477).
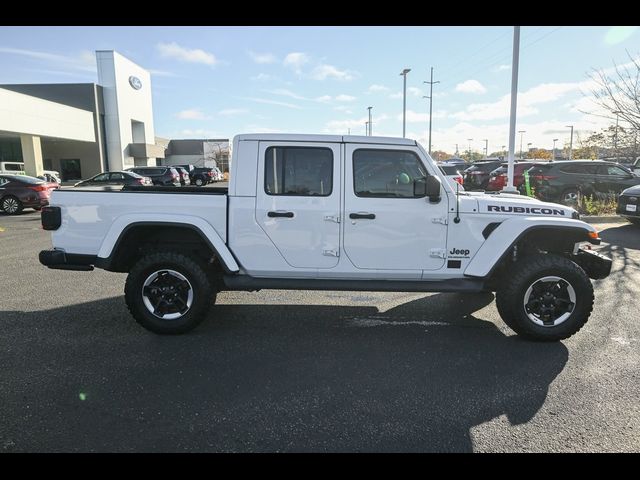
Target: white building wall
(122, 104)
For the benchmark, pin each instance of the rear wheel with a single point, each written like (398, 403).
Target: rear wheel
(569, 197)
(549, 298)
(199, 181)
(168, 292)
(11, 205)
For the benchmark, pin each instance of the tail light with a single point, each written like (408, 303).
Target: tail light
(140, 181)
(210, 174)
(459, 179)
(38, 188)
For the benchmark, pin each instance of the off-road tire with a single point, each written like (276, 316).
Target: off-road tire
(203, 293)
(510, 297)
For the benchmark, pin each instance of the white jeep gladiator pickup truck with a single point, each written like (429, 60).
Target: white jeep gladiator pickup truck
(324, 212)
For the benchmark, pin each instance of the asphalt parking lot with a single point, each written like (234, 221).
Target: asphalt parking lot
(308, 371)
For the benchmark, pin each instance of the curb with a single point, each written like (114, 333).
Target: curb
(603, 219)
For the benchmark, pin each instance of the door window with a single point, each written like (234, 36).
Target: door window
(612, 170)
(386, 173)
(104, 177)
(117, 177)
(300, 171)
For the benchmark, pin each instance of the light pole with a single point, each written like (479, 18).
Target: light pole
(366, 128)
(521, 132)
(529, 148)
(570, 141)
(369, 108)
(404, 101)
(457, 152)
(553, 154)
(486, 148)
(469, 140)
(502, 149)
(615, 136)
(430, 97)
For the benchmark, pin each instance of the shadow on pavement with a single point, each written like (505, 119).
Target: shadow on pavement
(417, 377)
(620, 241)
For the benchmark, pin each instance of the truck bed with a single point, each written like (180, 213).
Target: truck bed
(93, 217)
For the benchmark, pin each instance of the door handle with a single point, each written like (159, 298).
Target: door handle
(280, 214)
(367, 216)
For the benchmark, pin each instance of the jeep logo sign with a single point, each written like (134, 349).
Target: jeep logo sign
(135, 82)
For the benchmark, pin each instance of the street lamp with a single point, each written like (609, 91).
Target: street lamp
(404, 101)
(469, 140)
(529, 148)
(486, 148)
(366, 128)
(553, 155)
(521, 132)
(570, 141)
(370, 124)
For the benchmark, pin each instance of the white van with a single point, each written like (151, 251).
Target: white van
(17, 168)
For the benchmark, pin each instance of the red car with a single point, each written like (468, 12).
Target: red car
(498, 177)
(21, 191)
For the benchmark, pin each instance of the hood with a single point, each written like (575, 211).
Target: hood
(513, 204)
(635, 190)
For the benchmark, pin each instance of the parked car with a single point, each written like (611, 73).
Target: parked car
(184, 176)
(201, 176)
(629, 204)
(17, 168)
(476, 177)
(22, 191)
(456, 161)
(167, 176)
(218, 176)
(50, 176)
(564, 180)
(115, 178)
(187, 166)
(498, 177)
(454, 177)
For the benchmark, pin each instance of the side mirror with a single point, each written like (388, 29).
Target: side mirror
(433, 188)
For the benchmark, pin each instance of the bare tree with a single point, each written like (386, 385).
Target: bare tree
(619, 93)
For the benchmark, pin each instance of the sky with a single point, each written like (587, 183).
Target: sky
(216, 82)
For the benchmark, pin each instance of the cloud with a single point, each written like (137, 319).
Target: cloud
(162, 73)
(233, 111)
(295, 61)
(324, 71)
(286, 93)
(262, 58)
(271, 102)
(337, 98)
(501, 68)
(343, 108)
(85, 60)
(396, 95)
(357, 125)
(617, 35)
(262, 77)
(471, 86)
(191, 114)
(414, 117)
(345, 98)
(415, 91)
(324, 99)
(377, 88)
(191, 55)
(260, 129)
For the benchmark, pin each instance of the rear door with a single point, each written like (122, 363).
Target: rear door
(298, 201)
(612, 179)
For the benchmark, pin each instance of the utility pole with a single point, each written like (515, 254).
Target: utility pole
(457, 152)
(430, 97)
(553, 155)
(515, 61)
(404, 101)
(369, 108)
(469, 140)
(570, 141)
(366, 128)
(615, 137)
(348, 131)
(486, 148)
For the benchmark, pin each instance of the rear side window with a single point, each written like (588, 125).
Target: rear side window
(301, 171)
(14, 167)
(612, 170)
(386, 173)
(582, 168)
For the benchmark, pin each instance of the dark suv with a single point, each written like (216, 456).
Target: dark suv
(159, 175)
(201, 176)
(476, 177)
(562, 181)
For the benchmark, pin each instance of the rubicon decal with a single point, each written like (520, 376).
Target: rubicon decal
(533, 210)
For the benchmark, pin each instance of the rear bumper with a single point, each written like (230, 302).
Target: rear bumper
(59, 260)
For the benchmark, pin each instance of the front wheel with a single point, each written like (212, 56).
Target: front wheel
(168, 292)
(11, 205)
(549, 298)
(199, 182)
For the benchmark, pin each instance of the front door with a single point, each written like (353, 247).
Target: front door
(298, 201)
(386, 227)
(611, 180)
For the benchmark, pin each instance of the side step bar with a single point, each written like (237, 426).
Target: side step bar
(248, 283)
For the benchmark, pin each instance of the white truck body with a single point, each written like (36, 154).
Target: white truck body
(260, 235)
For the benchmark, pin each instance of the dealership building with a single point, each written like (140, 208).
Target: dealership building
(81, 129)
